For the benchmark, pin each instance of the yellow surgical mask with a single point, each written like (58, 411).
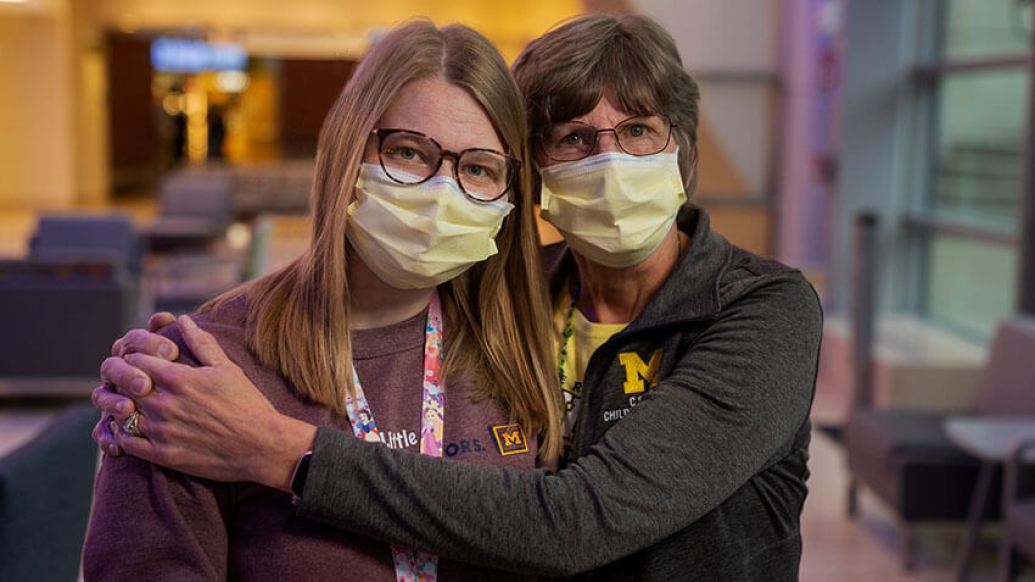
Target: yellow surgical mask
(419, 236)
(613, 208)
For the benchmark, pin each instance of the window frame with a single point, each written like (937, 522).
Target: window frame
(921, 221)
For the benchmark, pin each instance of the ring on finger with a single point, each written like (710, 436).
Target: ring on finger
(132, 425)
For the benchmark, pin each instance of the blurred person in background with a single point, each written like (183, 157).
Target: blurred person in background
(687, 365)
(216, 120)
(422, 278)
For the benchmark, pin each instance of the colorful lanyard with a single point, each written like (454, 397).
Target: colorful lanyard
(410, 565)
(566, 371)
(569, 330)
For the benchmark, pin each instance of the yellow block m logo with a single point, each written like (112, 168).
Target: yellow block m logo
(510, 439)
(636, 372)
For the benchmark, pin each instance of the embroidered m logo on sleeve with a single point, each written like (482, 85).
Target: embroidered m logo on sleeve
(510, 439)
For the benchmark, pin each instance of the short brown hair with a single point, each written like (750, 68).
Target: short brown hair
(565, 73)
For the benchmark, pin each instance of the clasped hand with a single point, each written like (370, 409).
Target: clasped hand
(207, 420)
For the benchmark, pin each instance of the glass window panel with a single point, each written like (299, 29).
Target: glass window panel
(981, 121)
(986, 28)
(970, 284)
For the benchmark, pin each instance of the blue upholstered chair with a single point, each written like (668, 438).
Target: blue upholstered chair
(84, 237)
(194, 210)
(46, 488)
(60, 317)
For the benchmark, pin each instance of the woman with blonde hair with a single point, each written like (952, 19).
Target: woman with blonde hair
(687, 365)
(420, 292)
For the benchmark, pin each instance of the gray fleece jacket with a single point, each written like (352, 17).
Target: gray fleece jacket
(699, 476)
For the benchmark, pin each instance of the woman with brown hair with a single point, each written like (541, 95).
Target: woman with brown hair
(687, 364)
(420, 292)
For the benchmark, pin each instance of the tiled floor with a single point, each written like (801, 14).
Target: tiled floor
(835, 548)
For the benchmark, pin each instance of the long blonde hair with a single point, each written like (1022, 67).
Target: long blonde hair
(497, 326)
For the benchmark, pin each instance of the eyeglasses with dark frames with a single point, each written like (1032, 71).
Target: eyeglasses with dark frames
(410, 157)
(640, 135)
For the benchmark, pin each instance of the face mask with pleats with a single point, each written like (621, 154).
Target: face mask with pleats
(613, 208)
(419, 236)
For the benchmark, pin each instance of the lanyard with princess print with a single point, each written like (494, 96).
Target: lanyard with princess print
(410, 565)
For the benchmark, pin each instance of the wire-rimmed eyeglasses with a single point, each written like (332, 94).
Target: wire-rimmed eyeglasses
(410, 157)
(640, 135)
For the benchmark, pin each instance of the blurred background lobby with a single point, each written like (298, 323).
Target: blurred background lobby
(155, 153)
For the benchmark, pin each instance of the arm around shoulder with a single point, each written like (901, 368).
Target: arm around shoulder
(733, 405)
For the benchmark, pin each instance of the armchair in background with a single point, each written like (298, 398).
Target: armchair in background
(194, 210)
(60, 318)
(905, 458)
(110, 238)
